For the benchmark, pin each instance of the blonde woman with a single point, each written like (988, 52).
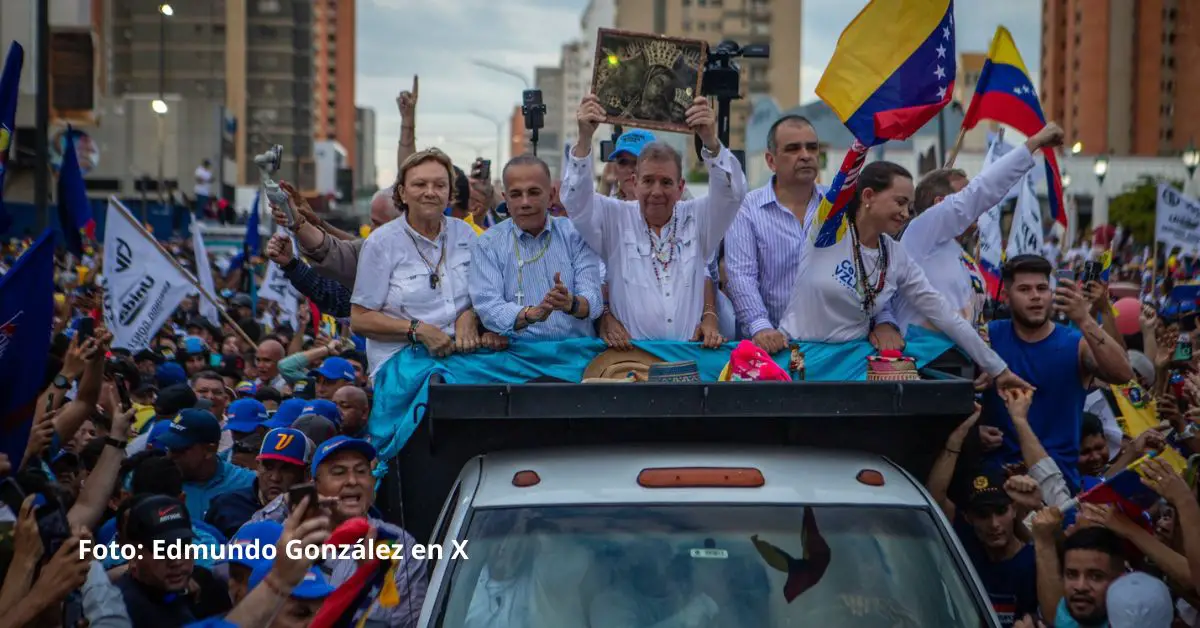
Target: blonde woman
(411, 286)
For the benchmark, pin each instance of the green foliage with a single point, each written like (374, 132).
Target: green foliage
(697, 175)
(1134, 207)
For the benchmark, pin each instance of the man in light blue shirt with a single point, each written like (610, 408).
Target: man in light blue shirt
(191, 442)
(533, 277)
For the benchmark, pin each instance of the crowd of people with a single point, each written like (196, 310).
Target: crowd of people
(255, 431)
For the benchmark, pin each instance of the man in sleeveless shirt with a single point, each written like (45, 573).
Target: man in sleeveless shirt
(1059, 361)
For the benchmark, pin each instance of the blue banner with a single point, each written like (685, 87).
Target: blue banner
(26, 320)
(9, 82)
(402, 385)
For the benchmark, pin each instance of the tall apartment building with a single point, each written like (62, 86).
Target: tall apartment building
(550, 81)
(774, 22)
(970, 65)
(333, 80)
(576, 82)
(254, 56)
(1121, 75)
(365, 172)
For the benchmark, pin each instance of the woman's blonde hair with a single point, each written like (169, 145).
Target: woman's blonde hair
(414, 160)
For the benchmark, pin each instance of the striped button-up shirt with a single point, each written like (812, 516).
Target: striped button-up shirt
(512, 269)
(763, 252)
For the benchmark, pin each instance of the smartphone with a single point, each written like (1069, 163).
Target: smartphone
(297, 493)
(52, 525)
(123, 391)
(1091, 271)
(1061, 275)
(85, 328)
(12, 496)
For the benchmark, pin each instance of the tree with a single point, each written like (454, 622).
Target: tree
(1134, 208)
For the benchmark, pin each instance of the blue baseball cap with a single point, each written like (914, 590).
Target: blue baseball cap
(245, 415)
(342, 443)
(157, 429)
(632, 142)
(287, 445)
(194, 345)
(335, 368)
(169, 374)
(314, 586)
(263, 533)
(324, 408)
(191, 427)
(289, 410)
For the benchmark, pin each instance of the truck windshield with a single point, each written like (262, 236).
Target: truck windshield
(706, 566)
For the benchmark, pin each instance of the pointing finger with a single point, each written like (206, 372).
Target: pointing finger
(416, 86)
(557, 278)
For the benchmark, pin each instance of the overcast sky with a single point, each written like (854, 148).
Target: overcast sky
(439, 39)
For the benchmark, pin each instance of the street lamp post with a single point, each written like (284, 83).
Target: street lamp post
(1100, 211)
(1191, 159)
(499, 135)
(503, 70)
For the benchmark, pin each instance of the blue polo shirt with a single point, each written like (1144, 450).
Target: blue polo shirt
(228, 478)
(228, 512)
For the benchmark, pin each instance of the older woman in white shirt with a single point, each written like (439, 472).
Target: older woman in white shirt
(411, 286)
(842, 286)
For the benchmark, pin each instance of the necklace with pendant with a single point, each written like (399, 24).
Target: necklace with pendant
(664, 251)
(521, 263)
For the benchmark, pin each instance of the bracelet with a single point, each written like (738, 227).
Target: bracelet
(574, 305)
(707, 313)
(953, 451)
(112, 442)
(412, 331)
(275, 588)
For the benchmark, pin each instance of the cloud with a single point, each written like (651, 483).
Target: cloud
(439, 40)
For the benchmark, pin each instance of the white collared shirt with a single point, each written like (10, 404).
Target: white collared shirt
(930, 239)
(827, 306)
(666, 305)
(394, 278)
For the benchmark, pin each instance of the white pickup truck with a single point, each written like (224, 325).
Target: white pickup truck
(657, 520)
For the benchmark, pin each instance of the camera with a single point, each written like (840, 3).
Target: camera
(534, 111)
(722, 80)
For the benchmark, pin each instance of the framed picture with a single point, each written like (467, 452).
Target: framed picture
(647, 81)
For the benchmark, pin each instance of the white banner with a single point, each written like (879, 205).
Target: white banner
(204, 274)
(278, 288)
(1025, 236)
(990, 243)
(1177, 221)
(142, 287)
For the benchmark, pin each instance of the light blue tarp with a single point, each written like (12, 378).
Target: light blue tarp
(402, 385)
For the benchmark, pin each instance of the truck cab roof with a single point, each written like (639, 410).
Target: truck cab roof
(609, 475)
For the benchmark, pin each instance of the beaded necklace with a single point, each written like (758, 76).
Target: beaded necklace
(868, 291)
(522, 262)
(664, 252)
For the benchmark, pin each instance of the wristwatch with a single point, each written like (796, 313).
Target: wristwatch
(112, 442)
(61, 382)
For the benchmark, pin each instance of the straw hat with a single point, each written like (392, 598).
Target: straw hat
(613, 365)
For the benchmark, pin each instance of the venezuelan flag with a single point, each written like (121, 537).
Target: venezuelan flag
(1126, 490)
(893, 69)
(74, 208)
(1005, 93)
(9, 82)
(802, 573)
(1106, 265)
(831, 213)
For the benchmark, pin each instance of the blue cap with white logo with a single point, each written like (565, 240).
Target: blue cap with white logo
(323, 408)
(288, 412)
(342, 443)
(245, 415)
(632, 142)
(190, 427)
(335, 368)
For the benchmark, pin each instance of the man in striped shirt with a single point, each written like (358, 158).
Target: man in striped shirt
(765, 246)
(533, 277)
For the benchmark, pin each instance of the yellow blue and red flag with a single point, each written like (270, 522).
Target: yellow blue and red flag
(9, 82)
(893, 69)
(1005, 94)
(831, 213)
(74, 208)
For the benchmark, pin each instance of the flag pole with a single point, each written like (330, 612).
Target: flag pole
(962, 134)
(187, 275)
